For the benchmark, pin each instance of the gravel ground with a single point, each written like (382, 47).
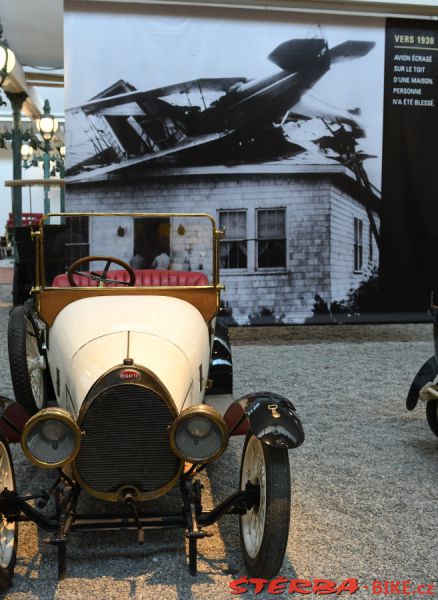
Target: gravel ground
(364, 482)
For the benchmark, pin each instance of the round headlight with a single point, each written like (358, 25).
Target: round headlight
(199, 426)
(199, 434)
(51, 438)
(53, 430)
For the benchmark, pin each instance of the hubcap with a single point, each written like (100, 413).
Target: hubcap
(35, 365)
(7, 530)
(254, 471)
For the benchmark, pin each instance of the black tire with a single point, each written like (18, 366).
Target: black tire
(8, 531)
(23, 339)
(432, 415)
(264, 559)
(193, 556)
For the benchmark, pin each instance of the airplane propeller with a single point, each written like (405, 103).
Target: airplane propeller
(294, 55)
(350, 49)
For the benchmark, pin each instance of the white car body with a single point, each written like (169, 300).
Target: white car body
(110, 369)
(164, 335)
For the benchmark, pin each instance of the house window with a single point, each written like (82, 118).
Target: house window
(233, 249)
(271, 238)
(357, 246)
(370, 245)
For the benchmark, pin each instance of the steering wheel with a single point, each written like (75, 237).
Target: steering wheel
(101, 278)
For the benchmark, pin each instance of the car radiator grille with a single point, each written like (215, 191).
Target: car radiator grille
(126, 441)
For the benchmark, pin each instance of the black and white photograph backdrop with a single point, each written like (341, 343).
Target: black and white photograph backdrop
(271, 123)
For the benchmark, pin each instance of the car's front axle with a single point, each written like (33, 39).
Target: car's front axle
(66, 519)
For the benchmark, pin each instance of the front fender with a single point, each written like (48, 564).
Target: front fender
(13, 418)
(271, 417)
(426, 374)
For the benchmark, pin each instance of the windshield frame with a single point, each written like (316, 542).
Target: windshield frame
(217, 235)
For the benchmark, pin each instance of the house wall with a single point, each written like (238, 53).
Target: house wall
(284, 295)
(343, 210)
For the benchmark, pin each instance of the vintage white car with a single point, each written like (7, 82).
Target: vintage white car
(123, 383)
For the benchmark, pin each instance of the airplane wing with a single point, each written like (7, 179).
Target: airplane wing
(222, 84)
(140, 160)
(349, 50)
(313, 107)
(212, 84)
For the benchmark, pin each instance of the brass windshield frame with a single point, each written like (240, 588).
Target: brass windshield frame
(217, 235)
(51, 300)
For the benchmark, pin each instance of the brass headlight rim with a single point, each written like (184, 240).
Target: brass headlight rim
(199, 410)
(42, 415)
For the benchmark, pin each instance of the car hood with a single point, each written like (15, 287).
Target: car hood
(167, 336)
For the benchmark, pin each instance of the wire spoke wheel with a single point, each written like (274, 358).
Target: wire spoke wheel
(253, 522)
(264, 528)
(8, 531)
(35, 365)
(26, 360)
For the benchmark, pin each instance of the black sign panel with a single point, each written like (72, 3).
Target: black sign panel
(409, 253)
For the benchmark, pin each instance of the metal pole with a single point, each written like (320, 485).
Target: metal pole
(62, 191)
(16, 101)
(46, 162)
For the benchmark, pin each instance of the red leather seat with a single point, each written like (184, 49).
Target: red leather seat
(143, 278)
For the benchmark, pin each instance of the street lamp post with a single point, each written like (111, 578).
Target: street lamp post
(34, 152)
(46, 169)
(16, 101)
(7, 63)
(27, 154)
(47, 126)
(61, 167)
(7, 58)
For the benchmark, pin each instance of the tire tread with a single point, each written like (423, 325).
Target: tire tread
(6, 573)
(17, 358)
(432, 415)
(278, 500)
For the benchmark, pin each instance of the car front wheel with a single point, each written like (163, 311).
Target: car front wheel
(264, 529)
(26, 361)
(8, 531)
(432, 415)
